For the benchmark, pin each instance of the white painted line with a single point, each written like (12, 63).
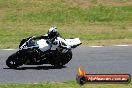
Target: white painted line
(122, 45)
(95, 46)
(8, 49)
(111, 45)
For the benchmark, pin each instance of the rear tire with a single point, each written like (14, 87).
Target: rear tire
(13, 61)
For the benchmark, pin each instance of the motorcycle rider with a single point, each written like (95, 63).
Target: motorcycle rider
(50, 36)
(53, 37)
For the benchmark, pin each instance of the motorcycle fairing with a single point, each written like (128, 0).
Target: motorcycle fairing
(73, 42)
(43, 45)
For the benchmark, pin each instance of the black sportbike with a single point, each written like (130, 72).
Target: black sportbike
(38, 52)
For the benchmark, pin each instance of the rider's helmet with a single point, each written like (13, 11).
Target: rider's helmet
(53, 33)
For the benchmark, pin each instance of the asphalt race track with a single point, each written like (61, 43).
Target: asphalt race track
(108, 59)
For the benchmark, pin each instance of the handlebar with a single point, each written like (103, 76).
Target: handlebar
(26, 42)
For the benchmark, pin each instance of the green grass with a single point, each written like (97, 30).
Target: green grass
(98, 21)
(75, 14)
(68, 84)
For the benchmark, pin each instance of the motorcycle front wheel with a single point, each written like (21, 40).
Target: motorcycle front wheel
(13, 61)
(62, 59)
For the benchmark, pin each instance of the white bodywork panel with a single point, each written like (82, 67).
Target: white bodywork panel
(72, 42)
(43, 46)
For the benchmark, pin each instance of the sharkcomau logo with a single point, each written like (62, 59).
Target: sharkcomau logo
(83, 78)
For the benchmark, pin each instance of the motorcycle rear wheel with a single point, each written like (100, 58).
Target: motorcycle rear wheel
(13, 61)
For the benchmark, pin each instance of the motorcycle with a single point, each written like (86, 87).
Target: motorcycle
(38, 53)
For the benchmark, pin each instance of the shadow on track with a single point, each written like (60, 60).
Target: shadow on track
(38, 68)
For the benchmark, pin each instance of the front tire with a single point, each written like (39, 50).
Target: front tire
(13, 61)
(62, 59)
